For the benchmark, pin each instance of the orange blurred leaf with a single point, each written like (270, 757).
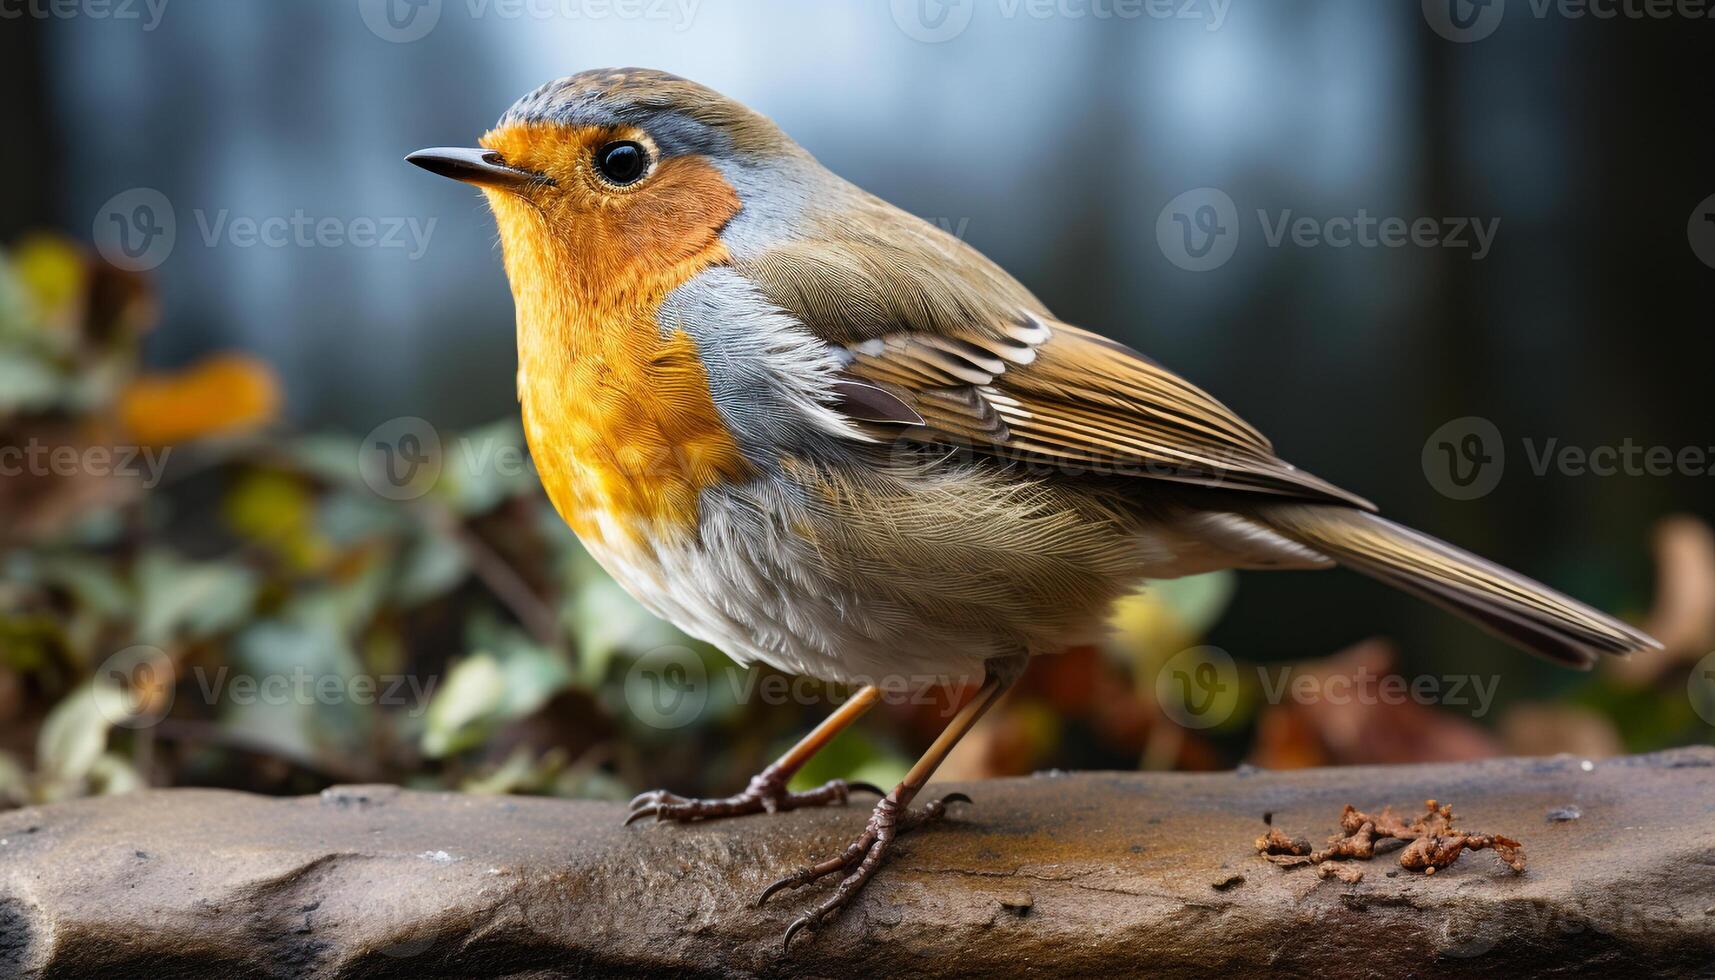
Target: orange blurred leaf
(222, 395)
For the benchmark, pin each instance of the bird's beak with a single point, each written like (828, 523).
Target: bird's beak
(475, 166)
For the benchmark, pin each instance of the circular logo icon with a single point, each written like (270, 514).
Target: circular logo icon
(1199, 687)
(412, 933)
(1199, 229)
(400, 459)
(134, 687)
(1464, 936)
(1700, 688)
(668, 687)
(1701, 231)
(932, 21)
(400, 21)
(1464, 21)
(135, 230)
(1464, 458)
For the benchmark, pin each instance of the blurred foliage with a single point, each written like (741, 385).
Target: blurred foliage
(190, 595)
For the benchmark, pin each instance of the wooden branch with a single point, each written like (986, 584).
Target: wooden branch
(1114, 874)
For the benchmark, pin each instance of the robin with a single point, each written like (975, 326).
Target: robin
(823, 434)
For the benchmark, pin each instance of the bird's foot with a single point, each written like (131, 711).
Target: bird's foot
(861, 859)
(767, 793)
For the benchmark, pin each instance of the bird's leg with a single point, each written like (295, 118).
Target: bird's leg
(767, 790)
(865, 855)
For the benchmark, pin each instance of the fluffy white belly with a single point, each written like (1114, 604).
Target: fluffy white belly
(774, 605)
(915, 588)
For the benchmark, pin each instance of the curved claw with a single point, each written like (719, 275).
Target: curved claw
(780, 885)
(636, 815)
(647, 796)
(866, 787)
(792, 930)
(956, 798)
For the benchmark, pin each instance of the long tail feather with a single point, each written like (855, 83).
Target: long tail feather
(1511, 606)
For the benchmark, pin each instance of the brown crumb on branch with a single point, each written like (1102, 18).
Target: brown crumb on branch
(1434, 842)
(1344, 872)
(1427, 854)
(1276, 842)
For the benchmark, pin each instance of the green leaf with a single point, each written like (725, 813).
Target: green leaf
(522, 772)
(343, 608)
(606, 620)
(1197, 600)
(853, 756)
(1167, 616)
(431, 567)
(334, 458)
(14, 781)
(112, 774)
(191, 599)
(533, 672)
(74, 734)
(510, 678)
(27, 384)
(486, 466)
(466, 703)
(15, 305)
(349, 517)
(93, 582)
(291, 681)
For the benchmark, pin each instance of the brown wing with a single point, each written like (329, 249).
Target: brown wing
(976, 357)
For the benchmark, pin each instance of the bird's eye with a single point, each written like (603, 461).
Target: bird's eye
(622, 163)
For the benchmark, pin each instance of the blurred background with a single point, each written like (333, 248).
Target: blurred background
(265, 516)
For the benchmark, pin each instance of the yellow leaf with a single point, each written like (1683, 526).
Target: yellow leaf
(54, 275)
(278, 511)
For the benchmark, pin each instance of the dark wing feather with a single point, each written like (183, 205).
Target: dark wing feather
(930, 321)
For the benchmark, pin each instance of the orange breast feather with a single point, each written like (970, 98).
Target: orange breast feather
(620, 420)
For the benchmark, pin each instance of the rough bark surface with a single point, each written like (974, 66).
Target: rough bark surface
(1063, 875)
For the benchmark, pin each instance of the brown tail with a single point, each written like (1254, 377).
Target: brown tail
(1501, 601)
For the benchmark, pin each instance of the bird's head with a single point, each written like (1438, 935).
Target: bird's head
(617, 171)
